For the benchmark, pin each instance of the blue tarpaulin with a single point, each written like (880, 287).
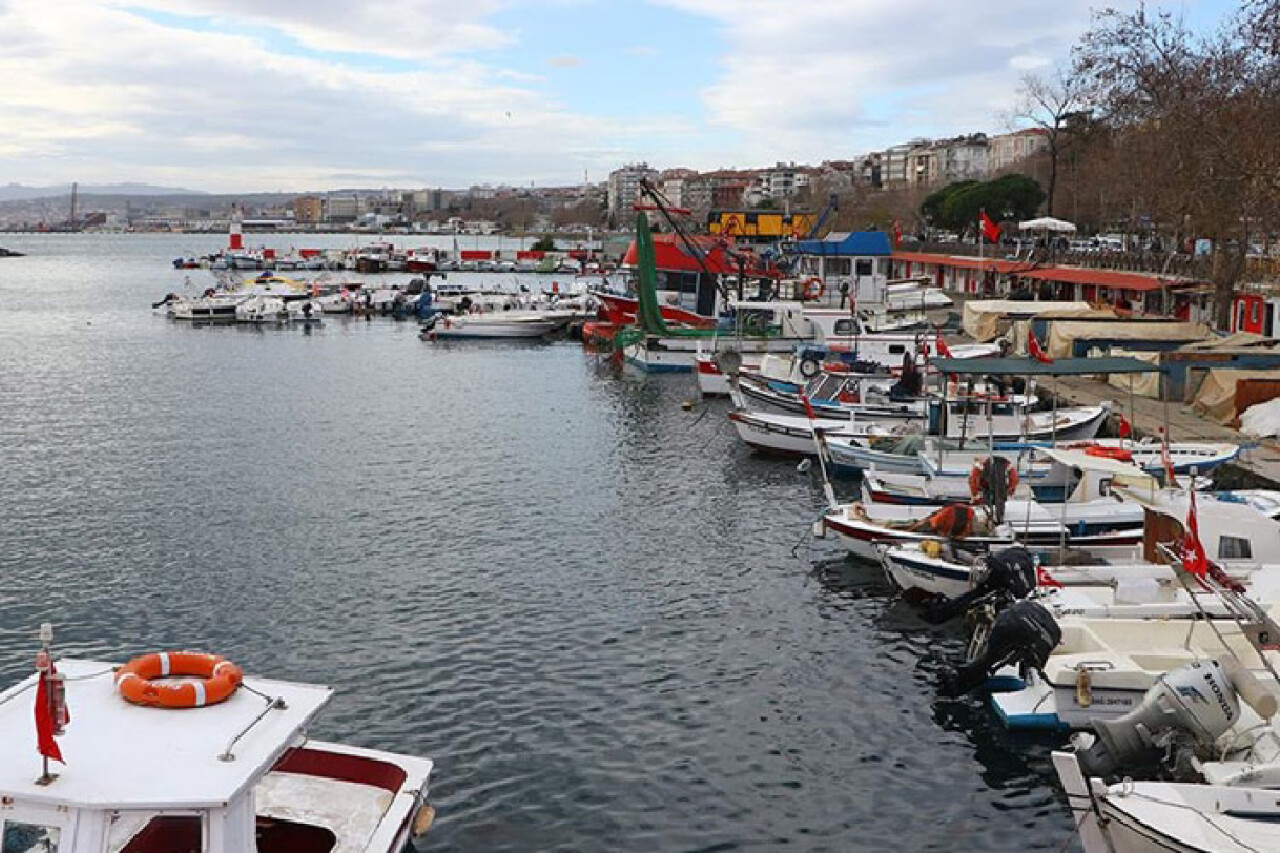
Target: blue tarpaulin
(846, 244)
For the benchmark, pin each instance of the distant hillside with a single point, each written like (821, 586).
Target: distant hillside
(17, 192)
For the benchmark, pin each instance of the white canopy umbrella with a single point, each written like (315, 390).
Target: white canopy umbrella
(1047, 223)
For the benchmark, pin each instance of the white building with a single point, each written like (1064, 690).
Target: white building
(624, 187)
(964, 158)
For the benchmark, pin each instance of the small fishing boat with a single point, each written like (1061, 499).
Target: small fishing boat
(217, 762)
(508, 325)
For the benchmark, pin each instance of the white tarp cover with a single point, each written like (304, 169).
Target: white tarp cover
(1047, 223)
(1122, 473)
(1235, 341)
(982, 317)
(1216, 397)
(1143, 384)
(1261, 420)
(1062, 334)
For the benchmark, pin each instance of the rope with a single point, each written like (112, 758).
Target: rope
(1204, 815)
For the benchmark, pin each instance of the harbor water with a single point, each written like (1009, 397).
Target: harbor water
(598, 612)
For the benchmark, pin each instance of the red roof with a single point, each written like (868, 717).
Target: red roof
(1103, 278)
(1114, 279)
(963, 262)
(671, 255)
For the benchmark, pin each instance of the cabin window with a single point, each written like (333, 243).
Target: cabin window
(22, 837)
(1234, 548)
(863, 267)
(882, 267)
(897, 349)
(845, 327)
(132, 832)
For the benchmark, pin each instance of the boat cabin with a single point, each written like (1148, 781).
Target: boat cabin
(850, 266)
(235, 777)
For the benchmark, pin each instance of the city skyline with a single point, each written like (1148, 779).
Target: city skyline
(229, 97)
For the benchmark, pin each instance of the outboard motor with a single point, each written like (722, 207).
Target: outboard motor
(1008, 575)
(1181, 716)
(1024, 634)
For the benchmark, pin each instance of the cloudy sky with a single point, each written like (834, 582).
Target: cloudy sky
(245, 95)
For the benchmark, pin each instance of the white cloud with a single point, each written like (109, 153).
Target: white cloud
(809, 81)
(564, 61)
(107, 95)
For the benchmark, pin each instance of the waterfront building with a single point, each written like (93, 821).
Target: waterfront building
(1008, 149)
(624, 188)
(894, 166)
(343, 208)
(964, 158)
(308, 209)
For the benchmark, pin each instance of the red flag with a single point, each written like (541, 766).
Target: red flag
(51, 713)
(897, 233)
(989, 229)
(1193, 556)
(1033, 348)
(1124, 429)
(808, 409)
(944, 351)
(1043, 578)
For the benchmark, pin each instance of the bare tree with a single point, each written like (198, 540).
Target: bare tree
(1055, 104)
(1196, 122)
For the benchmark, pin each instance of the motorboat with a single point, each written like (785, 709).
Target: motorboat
(1094, 515)
(1193, 767)
(526, 325)
(218, 762)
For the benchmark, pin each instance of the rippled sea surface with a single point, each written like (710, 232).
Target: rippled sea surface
(598, 612)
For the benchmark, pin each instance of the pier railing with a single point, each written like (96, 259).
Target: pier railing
(1175, 264)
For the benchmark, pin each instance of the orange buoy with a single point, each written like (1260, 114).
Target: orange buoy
(217, 678)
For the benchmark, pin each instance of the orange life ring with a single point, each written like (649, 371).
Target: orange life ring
(814, 288)
(975, 478)
(218, 676)
(1119, 453)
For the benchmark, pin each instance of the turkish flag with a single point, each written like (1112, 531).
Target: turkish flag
(45, 722)
(990, 230)
(1194, 559)
(944, 351)
(1033, 349)
(1043, 578)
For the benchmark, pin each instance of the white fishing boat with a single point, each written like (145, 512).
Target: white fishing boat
(792, 435)
(508, 325)
(219, 764)
(1093, 516)
(1237, 530)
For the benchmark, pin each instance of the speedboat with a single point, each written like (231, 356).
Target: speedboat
(218, 761)
(511, 325)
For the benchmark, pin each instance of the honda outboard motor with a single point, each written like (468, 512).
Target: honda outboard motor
(1009, 574)
(1181, 716)
(1025, 634)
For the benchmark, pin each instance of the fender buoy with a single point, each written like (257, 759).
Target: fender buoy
(218, 676)
(1119, 453)
(813, 288)
(809, 367)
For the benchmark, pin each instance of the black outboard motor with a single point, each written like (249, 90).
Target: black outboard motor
(1009, 575)
(1025, 634)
